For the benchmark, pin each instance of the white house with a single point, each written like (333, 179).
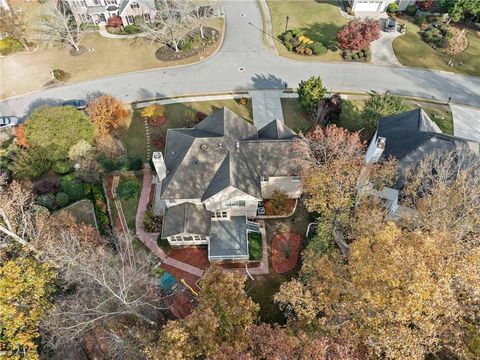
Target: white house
(377, 5)
(213, 176)
(99, 11)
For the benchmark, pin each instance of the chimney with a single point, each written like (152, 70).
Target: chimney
(159, 163)
(377, 151)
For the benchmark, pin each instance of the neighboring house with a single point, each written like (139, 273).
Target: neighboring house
(377, 5)
(212, 177)
(410, 137)
(99, 11)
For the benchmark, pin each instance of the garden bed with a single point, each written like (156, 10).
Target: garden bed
(285, 251)
(254, 246)
(191, 46)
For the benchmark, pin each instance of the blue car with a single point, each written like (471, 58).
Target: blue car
(77, 104)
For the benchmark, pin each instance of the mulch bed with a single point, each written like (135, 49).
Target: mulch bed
(190, 279)
(166, 53)
(193, 255)
(82, 50)
(157, 121)
(285, 250)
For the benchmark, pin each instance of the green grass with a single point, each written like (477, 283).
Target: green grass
(262, 290)
(134, 137)
(83, 211)
(411, 50)
(320, 21)
(130, 205)
(254, 246)
(293, 115)
(351, 109)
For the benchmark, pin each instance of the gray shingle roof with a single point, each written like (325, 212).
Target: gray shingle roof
(221, 151)
(412, 134)
(276, 130)
(186, 218)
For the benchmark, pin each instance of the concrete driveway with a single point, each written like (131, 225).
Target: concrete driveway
(466, 122)
(382, 49)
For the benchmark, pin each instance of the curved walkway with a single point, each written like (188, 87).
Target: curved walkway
(245, 63)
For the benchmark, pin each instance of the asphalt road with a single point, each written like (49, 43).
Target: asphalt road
(245, 63)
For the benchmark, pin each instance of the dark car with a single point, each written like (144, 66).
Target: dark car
(77, 104)
(390, 25)
(8, 121)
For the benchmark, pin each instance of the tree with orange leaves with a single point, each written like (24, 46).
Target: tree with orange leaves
(106, 113)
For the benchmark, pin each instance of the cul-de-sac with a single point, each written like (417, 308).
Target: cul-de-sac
(240, 179)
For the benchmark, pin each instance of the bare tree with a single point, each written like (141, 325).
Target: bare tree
(200, 11)
(170, 25)
(12, 23)
(103, 284)
(444, 189)
(58, 26)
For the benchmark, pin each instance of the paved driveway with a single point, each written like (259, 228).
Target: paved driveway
(382, 50)
(245, 63)
(466, 122)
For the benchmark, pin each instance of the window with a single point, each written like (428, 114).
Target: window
(219, 215)
(96, 2)
(146, 17)
(296, 178)
(135, 5)
(130, 19)
(236, 203)
(264, 178)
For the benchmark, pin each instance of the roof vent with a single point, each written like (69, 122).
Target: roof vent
(203, 147)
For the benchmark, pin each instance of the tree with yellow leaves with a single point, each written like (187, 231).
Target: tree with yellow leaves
(402, 294)
(107, 113)
(24, 300)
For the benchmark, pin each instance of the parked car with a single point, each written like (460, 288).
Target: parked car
(77, 104)
(390, 25)
(8, 121)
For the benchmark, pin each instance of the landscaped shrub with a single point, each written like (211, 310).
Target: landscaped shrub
(185, 44)
(62, 199)
(411, 10)
(62, 167)
(130, 163)
(153, 110)
(358, 34)
(277, 204)
(438, 35)
(128, 188)
(45, 187)
(254, 246)
(73, 187)
(60, 75)
(132, 29)
(393, 8)
(159, 141)
(420, 20)
(29, 163)
(114, 21)
(152, 223)
(318, 48)
(108, 164)
(297, 32)
(308, 52)
(9, 45)
(47, 200)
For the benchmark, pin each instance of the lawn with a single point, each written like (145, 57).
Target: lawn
(351, 108)
(411, 50)
(262, 290)
(134, 136)
(254, 246)
(130, 205)
(320, 21)
(110, 57)
(83, 211)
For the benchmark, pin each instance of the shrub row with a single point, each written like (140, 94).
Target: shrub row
(123, 163)
(362, 55)
(295, 40)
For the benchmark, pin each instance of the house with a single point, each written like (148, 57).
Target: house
(99, 11)
(212, 177)
(377, 5)
(409, 137)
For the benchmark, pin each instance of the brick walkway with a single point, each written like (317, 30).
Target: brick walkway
(150, 239)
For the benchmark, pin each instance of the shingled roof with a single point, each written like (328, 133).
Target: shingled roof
(412, 134)
(223, 151)
(186, 218)
(276, 130)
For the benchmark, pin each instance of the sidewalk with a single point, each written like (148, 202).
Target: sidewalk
(266, 106)
(150, 239)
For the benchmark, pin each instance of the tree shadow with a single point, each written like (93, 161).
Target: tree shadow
(39, 103)
(269, 81)
(349, 117)
(326, 33)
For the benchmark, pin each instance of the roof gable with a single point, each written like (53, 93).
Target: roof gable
(276, 130)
